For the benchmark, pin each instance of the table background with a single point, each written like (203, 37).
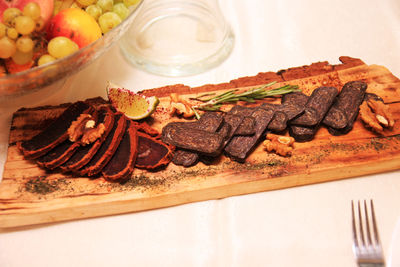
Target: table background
(303, 226)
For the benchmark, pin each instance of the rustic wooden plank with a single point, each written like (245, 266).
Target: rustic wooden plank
(30, 195)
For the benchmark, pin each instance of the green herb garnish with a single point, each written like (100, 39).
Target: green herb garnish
(214, 103)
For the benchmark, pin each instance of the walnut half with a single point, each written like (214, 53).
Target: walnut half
(282, 145)
(376, 115)
(84, 130)
(180, 106)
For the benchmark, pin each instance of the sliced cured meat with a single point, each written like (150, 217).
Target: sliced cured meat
(122, 162)
(278, 122)
(294, 104)
(55, 133)
(335, 118)
(241, 146)
(302, 133)
(204, 142)
(107, 148)
(317, 106)
(349, 100)
(152, 152)
(246, 127)
(58, 155)
(185, 158)
(84, 153)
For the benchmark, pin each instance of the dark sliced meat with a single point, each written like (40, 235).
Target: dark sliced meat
(302, 133)
(152, 153)
(204, 142)
(317, 106)
(335, 118)
(349, 100)
(107, 148)
(58, 155)
(372, 96)
(241, 146)
(278, 122)
(294, 104)
(246, 127)
(185, 158)
(209, 121)
(55, 133)
(122, 163)
(84, 153)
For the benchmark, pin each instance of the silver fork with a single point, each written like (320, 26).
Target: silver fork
(367, 249)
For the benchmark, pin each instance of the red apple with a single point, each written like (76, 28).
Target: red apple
(75, 24)
(46, 7)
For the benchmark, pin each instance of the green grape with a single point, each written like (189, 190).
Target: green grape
(32, 10)
(10, 14)
(108, 20)
(3, 30)
(25, 44)
(61, 46)
(22, 58)
(12, 33)
(95, 11)
(24, 24)
(86, 3)
(121, 10)
(44, 59)
(7, 47)
(106, 5)
(129, 3)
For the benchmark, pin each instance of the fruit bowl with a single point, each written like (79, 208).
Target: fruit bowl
(41, 76)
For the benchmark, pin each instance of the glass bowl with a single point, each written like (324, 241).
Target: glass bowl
(20, 83)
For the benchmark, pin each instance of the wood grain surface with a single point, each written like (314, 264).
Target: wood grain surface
(30, 195)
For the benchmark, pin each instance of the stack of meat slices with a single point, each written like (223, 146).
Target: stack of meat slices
(123, 145)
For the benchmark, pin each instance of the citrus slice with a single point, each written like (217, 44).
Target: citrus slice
(134, 106)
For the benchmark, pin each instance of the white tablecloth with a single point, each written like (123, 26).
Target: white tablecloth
(302, 226)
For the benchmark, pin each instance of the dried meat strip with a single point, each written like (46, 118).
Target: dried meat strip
(55, 133)
(349, 100)
(241, 146)
(299, 133)
(122, 163)
(58, 155)
(107, 148)
(317, 106)
(204, 142)
(246, 127)
(152, 153)
(84, 153)
(209, 121)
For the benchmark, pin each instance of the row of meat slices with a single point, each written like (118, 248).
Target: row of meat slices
(123, 145)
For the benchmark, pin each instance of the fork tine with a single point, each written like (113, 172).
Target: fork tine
(376, 235)
(353, 222)
(360, 225)
(367, 226)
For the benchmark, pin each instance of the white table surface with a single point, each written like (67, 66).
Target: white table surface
(302, 226)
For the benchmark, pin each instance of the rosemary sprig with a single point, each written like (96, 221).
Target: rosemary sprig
(214, 103)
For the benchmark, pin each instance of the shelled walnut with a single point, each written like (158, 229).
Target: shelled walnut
(282, 145)
(376, 115)
(85, 130)
(180, 106)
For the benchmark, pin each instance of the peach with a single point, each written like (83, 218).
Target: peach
(74, 24)
(46, 7)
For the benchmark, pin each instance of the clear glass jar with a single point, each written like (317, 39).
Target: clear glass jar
(178, 37)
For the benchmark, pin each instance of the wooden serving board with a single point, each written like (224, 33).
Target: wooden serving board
(30, 195)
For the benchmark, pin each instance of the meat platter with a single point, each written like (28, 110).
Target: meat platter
(32, 195)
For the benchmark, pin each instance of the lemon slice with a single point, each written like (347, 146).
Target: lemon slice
(134, 106)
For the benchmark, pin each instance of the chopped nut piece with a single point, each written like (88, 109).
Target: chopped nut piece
(92, 134)
(282, 145)
(180, 106)
(83, 130)
(376, 115)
